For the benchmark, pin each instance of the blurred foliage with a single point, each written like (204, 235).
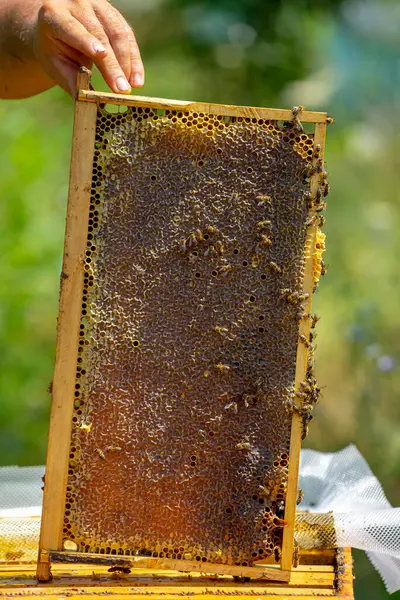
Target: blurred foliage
(336, 56)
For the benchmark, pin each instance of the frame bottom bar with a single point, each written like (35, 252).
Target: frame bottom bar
(266, 573)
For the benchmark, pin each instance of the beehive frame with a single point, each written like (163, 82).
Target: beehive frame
(51, 540)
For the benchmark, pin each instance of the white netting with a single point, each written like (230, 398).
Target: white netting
(343, 505)
(20, 509)
(353, 510)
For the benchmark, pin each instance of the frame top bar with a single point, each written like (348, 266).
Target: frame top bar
(251, 112)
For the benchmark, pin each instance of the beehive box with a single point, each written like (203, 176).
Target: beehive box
(183, 380)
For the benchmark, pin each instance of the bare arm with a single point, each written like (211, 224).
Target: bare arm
(44, 42)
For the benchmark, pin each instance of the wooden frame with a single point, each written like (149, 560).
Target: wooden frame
(67, 328)
(50, 546)
(301, 363)
(322, 574)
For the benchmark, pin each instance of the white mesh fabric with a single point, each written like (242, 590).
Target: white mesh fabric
(20, 509)
(20, 488)
(342, 485)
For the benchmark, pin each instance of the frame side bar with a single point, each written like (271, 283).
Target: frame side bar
(274, 114)
(301, 366)
(68, 324)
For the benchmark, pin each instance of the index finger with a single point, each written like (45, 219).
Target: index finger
(123, 42)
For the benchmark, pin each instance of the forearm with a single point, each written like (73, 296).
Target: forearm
(21, 75)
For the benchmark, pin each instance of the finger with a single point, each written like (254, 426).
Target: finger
(107, 62)
(137, 70)
(123, 42)
(61, 25)
(117, 31)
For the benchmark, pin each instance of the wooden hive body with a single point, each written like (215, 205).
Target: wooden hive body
(190, 258)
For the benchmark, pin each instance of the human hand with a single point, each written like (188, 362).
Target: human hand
(74, 33)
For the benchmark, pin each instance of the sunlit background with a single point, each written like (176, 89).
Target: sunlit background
(342, 57)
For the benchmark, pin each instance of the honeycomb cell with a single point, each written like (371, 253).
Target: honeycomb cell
(187, 343)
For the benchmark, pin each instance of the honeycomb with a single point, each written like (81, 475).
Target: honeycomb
(188, 336)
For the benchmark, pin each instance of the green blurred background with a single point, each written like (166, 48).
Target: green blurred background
(339, 56)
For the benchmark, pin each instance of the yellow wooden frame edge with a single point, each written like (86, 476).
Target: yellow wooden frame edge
(251, 112)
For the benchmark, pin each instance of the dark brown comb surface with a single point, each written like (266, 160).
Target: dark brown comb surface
(188, 341)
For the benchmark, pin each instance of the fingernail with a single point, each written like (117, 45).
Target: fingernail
(97, 47)
(137, 79)
(122, 84)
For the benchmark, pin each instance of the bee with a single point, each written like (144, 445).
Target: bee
(211, 229)
(300, 496)
(306, 412)
(219, 247)
(321, 221)
(243, 446)
(211, 251)
(293, 297)
(100, 453)
(113, 449)
(304, 296)
(329, 120)
(311, 221)
(304, 340)
(220, 330)
(50, 388)
(296, 554)
(317, 150)
(277, 554)
(232, 407)
(225, 270)
(314, 320)
(321, 207)
(307, 417)
(310, 364)
(296, 110)
(191, 240)
(317, 167)
(119, 569)
(326, 189)
(220, 368)
(264, 241)
(324, 268)
(308, 198)
(263, 492)
(275, 267)
(302, 315)
(263, 200)
(318, 196)
(312, 336)
(263, 224)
